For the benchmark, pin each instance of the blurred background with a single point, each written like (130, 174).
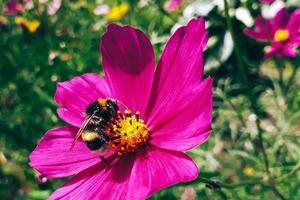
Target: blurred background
(253, 152)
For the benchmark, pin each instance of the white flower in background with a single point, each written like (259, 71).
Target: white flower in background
(213, 164)
(195, 9)
(143, 3)
(53, 7)
(102, 10)
(244, 16)
(269, 11)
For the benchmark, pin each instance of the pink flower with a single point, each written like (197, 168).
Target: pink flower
(13, 7)
(53, 7)
(283, 32)
(101, 10)
(267, 1)
(175, 107)
(173, 5)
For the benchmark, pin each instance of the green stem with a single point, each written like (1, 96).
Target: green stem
(280, 66)
(291, 79)
(228, 186)
(276, 192)
(239, 115)
(261, 142)
(292, 172)
(266, 161)
(238, 55)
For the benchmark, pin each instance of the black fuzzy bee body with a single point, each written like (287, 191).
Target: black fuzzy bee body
(99, 116)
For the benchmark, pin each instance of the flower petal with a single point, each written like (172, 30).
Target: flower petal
(263, 30)
(173, 5)
(295, 41)
(191, 126)
(273, 50)
(99, 182)
(180, 67)
(294, 22)
(130, 177)
(281, 19)
(54, 157)
(158, 169)
(128, 62)
(289, 51)
(75, 95)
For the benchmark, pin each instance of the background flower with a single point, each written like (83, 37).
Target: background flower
(173, 5)
(13, 7)
(31, 25)
(282, 32)
(118, 12)
(267, 1)
(53, 7)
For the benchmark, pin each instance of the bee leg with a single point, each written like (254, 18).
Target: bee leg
(104, 161)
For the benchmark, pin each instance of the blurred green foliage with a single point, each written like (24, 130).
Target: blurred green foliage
(254, 122)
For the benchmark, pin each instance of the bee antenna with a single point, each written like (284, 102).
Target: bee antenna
(78, 134)
(118, 101)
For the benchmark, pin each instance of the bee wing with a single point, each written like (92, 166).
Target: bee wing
(78, 134)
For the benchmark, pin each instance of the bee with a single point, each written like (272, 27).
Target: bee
(99, 115)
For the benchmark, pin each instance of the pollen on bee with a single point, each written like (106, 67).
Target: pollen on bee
(89, 135)
(102, 102)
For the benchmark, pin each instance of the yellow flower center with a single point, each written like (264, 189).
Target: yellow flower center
(248, 171)
(129, 133)
(281, 35)
(33, 25)
(118, 12)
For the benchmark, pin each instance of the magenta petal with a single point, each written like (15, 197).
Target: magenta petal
(295, 40)
(13, 7)
(267, 1)
(289, 51)
(281, 19)
(273, 50)
(99, 182)
(75, 95)
(172, 5)
(263, 30)
(180, 67)
(53, 157)
(294, 22)
(72, 118)
(130, 177)
(128, 62)
(191, 126)
(158, 169)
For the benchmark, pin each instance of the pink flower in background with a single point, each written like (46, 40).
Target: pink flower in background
(101, 10)
(175, 107)
(173, 5)
(53, 7)
(267, 1)
(13, 7)
(283, 32)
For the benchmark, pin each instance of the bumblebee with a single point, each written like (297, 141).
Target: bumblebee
(99, 115)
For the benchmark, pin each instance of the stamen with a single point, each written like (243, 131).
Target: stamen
(128, 113)
(129, 133)
(137, 115)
